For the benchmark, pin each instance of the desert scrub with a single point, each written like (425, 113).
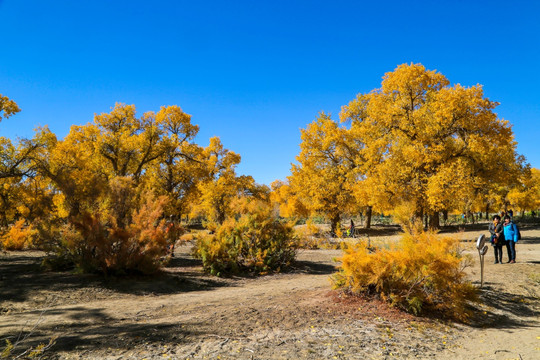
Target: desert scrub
(18, 237)
(99, 243)
(310, 236)
(257, 242)
(419, 274)
(535, 278)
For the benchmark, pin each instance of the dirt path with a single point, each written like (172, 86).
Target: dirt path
(509, 323)
(185, 314)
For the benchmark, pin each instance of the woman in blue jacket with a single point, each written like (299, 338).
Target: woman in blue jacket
(511, 237)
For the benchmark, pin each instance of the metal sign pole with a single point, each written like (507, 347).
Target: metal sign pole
(482, 250)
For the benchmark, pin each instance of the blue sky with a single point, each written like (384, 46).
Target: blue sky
(255, 72)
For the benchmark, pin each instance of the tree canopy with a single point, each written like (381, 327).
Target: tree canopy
(416, 143)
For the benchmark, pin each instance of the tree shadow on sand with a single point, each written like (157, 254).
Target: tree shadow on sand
(21, 277)
(379, 230)
(448, 229)
(312, 268)
(528, 240)
(510, 311)
(21, 274)
(93, 330)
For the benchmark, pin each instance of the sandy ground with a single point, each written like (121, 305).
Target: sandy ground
(185, 314)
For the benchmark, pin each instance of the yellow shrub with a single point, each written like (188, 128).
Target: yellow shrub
(188, 238)
(419, 274)
(18, 237)
(310, 236)
(97, 243)
(402, 215)
(257, 242)
(339, 232)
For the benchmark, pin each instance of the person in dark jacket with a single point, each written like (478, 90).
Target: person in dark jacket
(511, 237)
(351, 229)
(497, 238)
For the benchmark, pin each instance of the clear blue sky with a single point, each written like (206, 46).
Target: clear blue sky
(255, 72)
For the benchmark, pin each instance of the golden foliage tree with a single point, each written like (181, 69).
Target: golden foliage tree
(326, 172)
(22, 192)
(101, 195)
(286, 201)
(153, 151)
(526, 195)
(221, 185)
(99, 168)
(428, 143)
(8, 107)
(16, 159)
(181, 165)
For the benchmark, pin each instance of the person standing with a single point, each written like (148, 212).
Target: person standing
(351, 229)
(511, 237)
(497, 238)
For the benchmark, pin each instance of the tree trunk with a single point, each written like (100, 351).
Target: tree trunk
(434, 223)
(369, 211)
(487, 211)
(334, 221)
(221, 217)
(473, 217)
(445, 215)
(417, 219)
(74, 209)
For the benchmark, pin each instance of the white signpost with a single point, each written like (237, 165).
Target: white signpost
(482, 250)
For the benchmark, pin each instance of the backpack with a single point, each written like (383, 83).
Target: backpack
(516, 229)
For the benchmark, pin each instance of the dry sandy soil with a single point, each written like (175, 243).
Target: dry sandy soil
(185, 314)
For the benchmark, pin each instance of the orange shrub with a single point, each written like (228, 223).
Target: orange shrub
(257, 242)
(18, 237)
(421, 273)
(94, 244)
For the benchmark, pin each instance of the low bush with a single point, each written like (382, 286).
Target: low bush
(309, 235)
(97, 243)
(18, 237)
(257, 242)
(420, 274)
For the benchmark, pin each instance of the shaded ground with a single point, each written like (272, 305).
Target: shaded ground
(183, 313)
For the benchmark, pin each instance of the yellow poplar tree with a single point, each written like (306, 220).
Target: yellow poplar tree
(526, 195)
(35, 198)
(428, 143)
(220, 185)
(181, 166)
(115, 223)
(287, 203)
(74, 168)
(17, 171)
(324, 177)
(8, 107)
(127, 143)
(9, 193)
